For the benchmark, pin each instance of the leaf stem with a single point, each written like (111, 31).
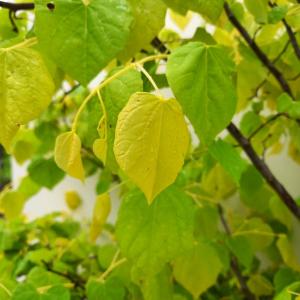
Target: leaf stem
(26, 43)
(113, 265)
(109, 80)
(5, 289)
(149, 77)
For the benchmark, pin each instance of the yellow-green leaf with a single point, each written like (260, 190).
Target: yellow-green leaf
(198, 269)
(101, 212)
(12, 203)
(26, 89)
(67, 154)
(72, 199)
(100, 149)
(151, 142)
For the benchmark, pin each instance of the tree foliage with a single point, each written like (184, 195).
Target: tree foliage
(201, 214)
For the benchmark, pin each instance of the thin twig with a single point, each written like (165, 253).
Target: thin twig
(234, 262)
(290, 33)
(265, 170)
(259, 53)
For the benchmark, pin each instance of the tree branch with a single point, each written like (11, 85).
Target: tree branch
(234, 262)
(290, 33)
(259, 53)
(265, 171)
(16, 6)
(259, 164)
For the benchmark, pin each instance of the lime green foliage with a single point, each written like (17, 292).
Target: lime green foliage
(200, 77)
(96, 24)
(176, 132)
(145, 232)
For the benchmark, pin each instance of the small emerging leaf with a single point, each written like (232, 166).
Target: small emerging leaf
(101, 212)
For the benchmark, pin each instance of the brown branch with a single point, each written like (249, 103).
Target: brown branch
(265, 171)
(259, 53)
(234, 262)
(16, 6)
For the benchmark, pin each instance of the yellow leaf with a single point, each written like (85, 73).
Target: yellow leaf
(26, 88)
(67, 154)
(151, 142)
(180, 20)
(72, 199)
(12, 203)
(100, 214)
(100, 149)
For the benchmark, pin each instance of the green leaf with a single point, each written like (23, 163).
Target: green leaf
(116, 95)
(28, 292)
(242, 249)
(149, 19)
(198, 269)
(206, 222)
(229, 159)
(259, 9)
(45, 172)
(200, 77)
(277, 14)
(68, 154)
(151, 142)
(82, 39)
(12, 203)
(28, 187)
(159, 287)
(151, 236)
(111, 289)
(288, 253)
(260, 286)
(26, 89)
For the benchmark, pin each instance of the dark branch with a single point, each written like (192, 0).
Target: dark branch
(16, 6)
(259, 53)
(290, 33)
(234, 262)
(262, 126)
(265, 171)
(261, 166)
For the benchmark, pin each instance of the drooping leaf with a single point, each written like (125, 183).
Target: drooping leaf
(12, 203)
(45, 172)
(149, 19)
(151, 236)
(200, 77)
(68, 154)
(73, 200)
(198, 269)
(82, 39)
(26, 89)
(151, 142)
(101, 212)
